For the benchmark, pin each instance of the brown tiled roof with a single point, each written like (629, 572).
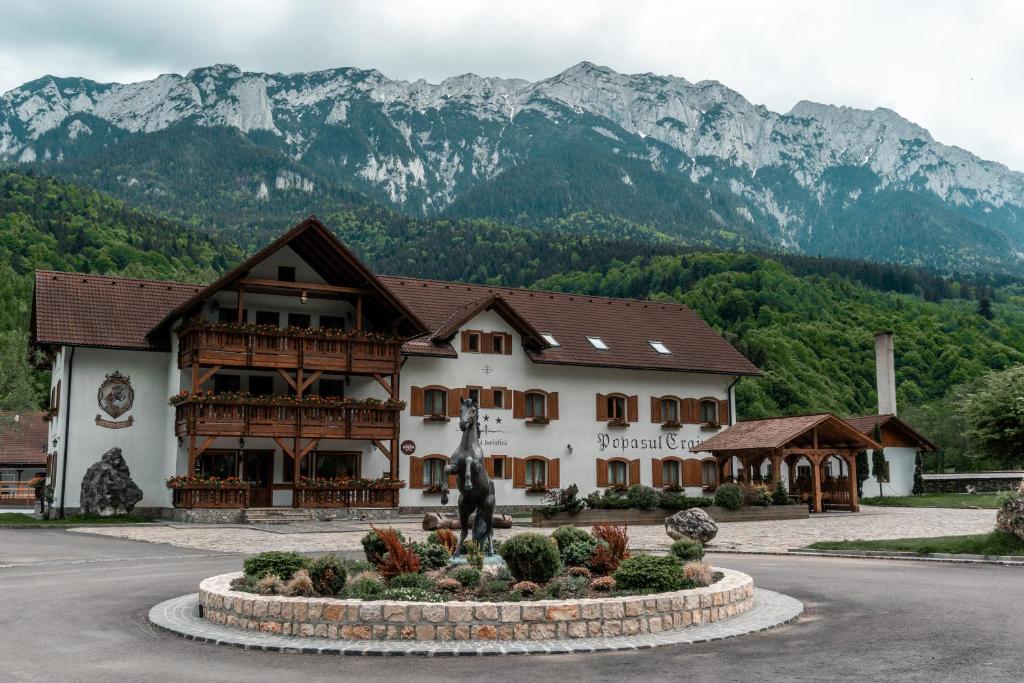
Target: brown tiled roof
(793, 431)
(626, 325)
(865, 424)
(99, 310)
(23, 441)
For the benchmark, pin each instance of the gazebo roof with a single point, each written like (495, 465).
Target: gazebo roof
(796, 431)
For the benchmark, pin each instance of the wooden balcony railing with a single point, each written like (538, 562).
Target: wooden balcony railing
(345, 497)
(205, 498)
(17, 493)
(213, 417)
(269, 348)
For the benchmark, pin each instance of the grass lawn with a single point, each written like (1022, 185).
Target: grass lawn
(19, 519)
(988, 501)
(993, 543)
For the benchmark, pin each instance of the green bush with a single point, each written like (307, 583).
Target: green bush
(687, 549)
(467, 576)
(531, 557)
(365, 588)
(432, 555)
(354, 567)
(650, 573)
(729, 496)
(568, 587)
(328, 575)
(411, 581)
(281, 564)
(612, 499)
(374, 547)
(780, 496)
(579, 553)
(642, 497)
(677, 501)
(564, 536)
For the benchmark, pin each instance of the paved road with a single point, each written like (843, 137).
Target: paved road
(74, 609)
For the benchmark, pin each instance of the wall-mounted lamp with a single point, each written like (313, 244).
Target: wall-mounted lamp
(241, 444)
(180, 442)
(56, 439)
(303, 298)
(568, 447)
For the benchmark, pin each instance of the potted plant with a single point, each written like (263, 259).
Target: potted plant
(432, 490)
(671, 424)
(618, 422)
(436, 418)
(709, 426)
(536, 488)
(538, 420)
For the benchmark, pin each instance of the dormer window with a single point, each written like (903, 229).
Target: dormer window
(550, 339)
(286, 273)
(597, 343)
(660, 347)
(474, 342)
(498, 343)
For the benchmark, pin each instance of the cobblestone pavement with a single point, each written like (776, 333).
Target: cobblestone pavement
(775, 536)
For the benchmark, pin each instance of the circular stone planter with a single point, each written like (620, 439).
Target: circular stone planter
(475, 621)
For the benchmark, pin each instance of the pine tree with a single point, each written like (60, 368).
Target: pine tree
(863, 472)
(985, 308)
(918, 475)
(879, 467)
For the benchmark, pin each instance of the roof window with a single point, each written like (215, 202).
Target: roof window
(659, 347)
(550, 338)
(597, 343)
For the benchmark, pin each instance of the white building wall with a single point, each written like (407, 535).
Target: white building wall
(901, 473)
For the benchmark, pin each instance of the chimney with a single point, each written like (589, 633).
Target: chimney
(885, 373)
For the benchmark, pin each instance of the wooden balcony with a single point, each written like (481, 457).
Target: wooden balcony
(205, 498)
(345, 497)
(242, 418)
(17, 493)
(211, 345)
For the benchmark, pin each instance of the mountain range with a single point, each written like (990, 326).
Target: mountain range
(248, 152)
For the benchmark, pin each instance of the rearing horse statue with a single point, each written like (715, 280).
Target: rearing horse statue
(476, 490)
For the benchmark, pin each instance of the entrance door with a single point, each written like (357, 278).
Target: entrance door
(258, 470)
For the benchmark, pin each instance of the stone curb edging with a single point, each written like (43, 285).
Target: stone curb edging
(1004, 560)
(180, 616)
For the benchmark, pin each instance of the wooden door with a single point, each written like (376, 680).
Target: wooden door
(258, 470)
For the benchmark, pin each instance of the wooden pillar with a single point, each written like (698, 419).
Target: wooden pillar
(776, 468)
(192, 456)
(791, 466)
(851, 461)
(241, 303)
(359, 312)
(195, 376)
(816, 481)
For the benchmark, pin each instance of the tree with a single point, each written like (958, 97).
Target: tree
(879, 467)
(863, 472)
(995, 417)
(16, 385)
(985, 308)
(918, 475)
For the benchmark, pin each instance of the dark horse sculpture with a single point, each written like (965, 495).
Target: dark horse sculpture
(476, 490)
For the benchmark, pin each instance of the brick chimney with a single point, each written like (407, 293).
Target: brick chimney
(885, 373)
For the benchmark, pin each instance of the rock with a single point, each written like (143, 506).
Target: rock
(1010, 518)
(432, 521)
(693, 523)
(107, 487)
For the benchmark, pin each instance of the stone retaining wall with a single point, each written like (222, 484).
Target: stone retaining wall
(538, 620)
(987, 482)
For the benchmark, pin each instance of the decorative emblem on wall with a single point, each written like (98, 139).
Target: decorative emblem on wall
(115, 397)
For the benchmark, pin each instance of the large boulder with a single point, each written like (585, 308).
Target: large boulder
(693, 523)
(1010, 517)
(107, 487)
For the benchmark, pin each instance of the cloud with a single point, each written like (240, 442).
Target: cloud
(954, 68)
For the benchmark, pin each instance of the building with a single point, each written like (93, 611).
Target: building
(322, 384)
(22, 455)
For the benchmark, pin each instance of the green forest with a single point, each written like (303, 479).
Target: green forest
(807, 322)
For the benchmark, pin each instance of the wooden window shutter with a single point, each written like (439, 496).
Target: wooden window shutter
(416, 401)
(554, 474)
(691, 472)
(486, 398)
(518, 404)
(455, 397)
(518, 473)
(489, 466)
(415, 472)
(465, 341)
(507, 401)
(508, 344)
(723, 411)
(634, 472)
(508, 467)
(691, 411)
(487, 342)
(602, 472)
(553, 405)
(602, 409)
(656, 471)
(634, 409)
(655, 409)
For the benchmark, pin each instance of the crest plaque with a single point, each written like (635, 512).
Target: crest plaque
(115, 397)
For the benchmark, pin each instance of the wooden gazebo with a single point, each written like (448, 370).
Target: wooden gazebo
(787, 440)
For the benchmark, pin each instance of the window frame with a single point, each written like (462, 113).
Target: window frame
(474, 337)
(427, 460)
(660, 347)
(288, 271)
(614, 464)
(714, 404)
(675, 403)
(427, 408)
(598, 343)
(533, 464)
(550, 339)
(535, 396)
(267, 314)
(666, 464)
(610, 400)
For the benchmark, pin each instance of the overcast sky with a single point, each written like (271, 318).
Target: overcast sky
(956, 68)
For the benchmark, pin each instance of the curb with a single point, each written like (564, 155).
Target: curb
(180, 616)
(950, 558)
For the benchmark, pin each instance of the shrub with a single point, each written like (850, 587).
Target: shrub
(474, 554)
(446, 584)
(354, 567)
(300, 585)
(564, 536)
(579, 571)
(642, 497)
(431, 555)
(492, 588)
(729, 496)
(650, 573)
(365, 587)
(568, 587)
(616, 537)
(411, 594)
(276, 562)
(399, 558)
(525, 587)
(270, 584)
(328, 575)
(687, 549)
(758, 494)
(602, 584)
(579, 553)
(531, 557)
(243, 583)
(374, 547)
(700, 573)
(562, 500)
(601, 561)
(444, 537)
(780, 496)
(503, 573)
(467, 576)
(411, 581)
(676, 501)
(612, 499)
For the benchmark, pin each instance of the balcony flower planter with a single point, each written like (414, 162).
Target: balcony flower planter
(710, 426)
(211, 493)
(347, 493)
(308, 401)
(432, 491)
(538, 420)
(672, 424)
(439, 419)
(291, 331)
(537, 489)
(618, 423)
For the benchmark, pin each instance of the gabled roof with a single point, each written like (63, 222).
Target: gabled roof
(796, 431)
(23, 440)
(866, 425)
(497, 303)
(325, 253)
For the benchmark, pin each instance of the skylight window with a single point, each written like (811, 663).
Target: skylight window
(597, 343)
(659, 347)
(550, 338)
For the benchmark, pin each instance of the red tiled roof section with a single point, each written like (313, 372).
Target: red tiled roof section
(627, 326)
(865, 424)
(773, 432)
(23, 440)
(100, 310)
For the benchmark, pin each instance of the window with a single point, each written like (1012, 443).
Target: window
(473, 342)
(660, 348)
(226, 383)
(498, 343)
(331, 465)
(286, 273)
(332, 322)
(535, 404)
(597, 343)
(803, 472)
(268, 318)
(709, 411)
(474, 395)
(550, 339)
(298, 320)
(499, 398)
(670, 474)
(709, 473)
(434, 402)
(669, 410)
(261, 386)
(220, 464)
(616, 407)
(499, 468)
(618, 474)
(433, 472)
(536, 472)
(230, 315)
(332, 387)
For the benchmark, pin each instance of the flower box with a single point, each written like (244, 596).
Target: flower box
(186, 482)
(710, 426)
(308, 401)
(537, 489)
(538, 420)
(436, 418)
(618, 423)
(672, 424)
(432, 490)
